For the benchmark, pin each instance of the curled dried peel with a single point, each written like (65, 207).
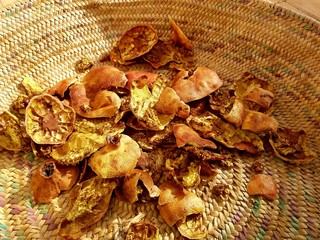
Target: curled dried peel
(135, 75)
(90, 201)
(11, 135)
(192, 228)
(78, 146)
(187, 136)
(142, 231)
(48, 121)
(212, 126)
(50, 179)
(142, 102)
(291, 146)
(236, 113)
(143, 99)
(256, 92)
(104, 104)
(179, 37)
(169, 103)
(130, 185)
(203, 82)
(259, 122)
(176, 203)
(106, 162)
(103, 78)
(61, 87)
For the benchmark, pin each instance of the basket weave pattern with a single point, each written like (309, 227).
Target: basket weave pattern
(44, 39)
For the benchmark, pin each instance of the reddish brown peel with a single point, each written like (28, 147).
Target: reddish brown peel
(264, 185)
(187, 136)
(203, 82)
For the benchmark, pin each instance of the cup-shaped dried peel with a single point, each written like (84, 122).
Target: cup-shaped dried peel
(103, 78)
(142, 231)
(48, 121)
(192, 228)
(176, 203)
(115, 160)
(50, 179)
(137, 41)
(203, 82)
(291, 146)
(61, 87)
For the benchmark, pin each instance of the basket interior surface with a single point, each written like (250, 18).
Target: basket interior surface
(43, 40)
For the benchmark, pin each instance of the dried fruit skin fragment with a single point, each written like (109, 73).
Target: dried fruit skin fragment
(61, 87)
(78, 146)
(103, 78)
(83, 65)
(192, 228)
(134, 43)
(142, 231)
(32, 88)
(291, 146)
(210, 125)
(259, 122)
(263, 185)
(169, 103)
(115, 160)
(256, 92)
(187, 136)
(90, 201)
(104, 104)
(48, 121)
(179, 37)
(203, 82)
(130, 189)
(50, 179)
(176, 203)
(134, 75)
(11, 137)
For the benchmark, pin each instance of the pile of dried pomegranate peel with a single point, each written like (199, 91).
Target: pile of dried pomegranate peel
(103, 134)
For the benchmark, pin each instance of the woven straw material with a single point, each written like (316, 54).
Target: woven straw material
(43, 40)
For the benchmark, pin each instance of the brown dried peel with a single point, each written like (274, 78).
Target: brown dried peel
(176, 203)
(50, 179)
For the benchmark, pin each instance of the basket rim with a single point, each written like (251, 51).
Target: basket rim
(313, 19)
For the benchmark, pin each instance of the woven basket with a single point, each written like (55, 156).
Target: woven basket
(43, 40)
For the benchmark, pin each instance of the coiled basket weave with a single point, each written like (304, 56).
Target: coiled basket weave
(43, 40)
